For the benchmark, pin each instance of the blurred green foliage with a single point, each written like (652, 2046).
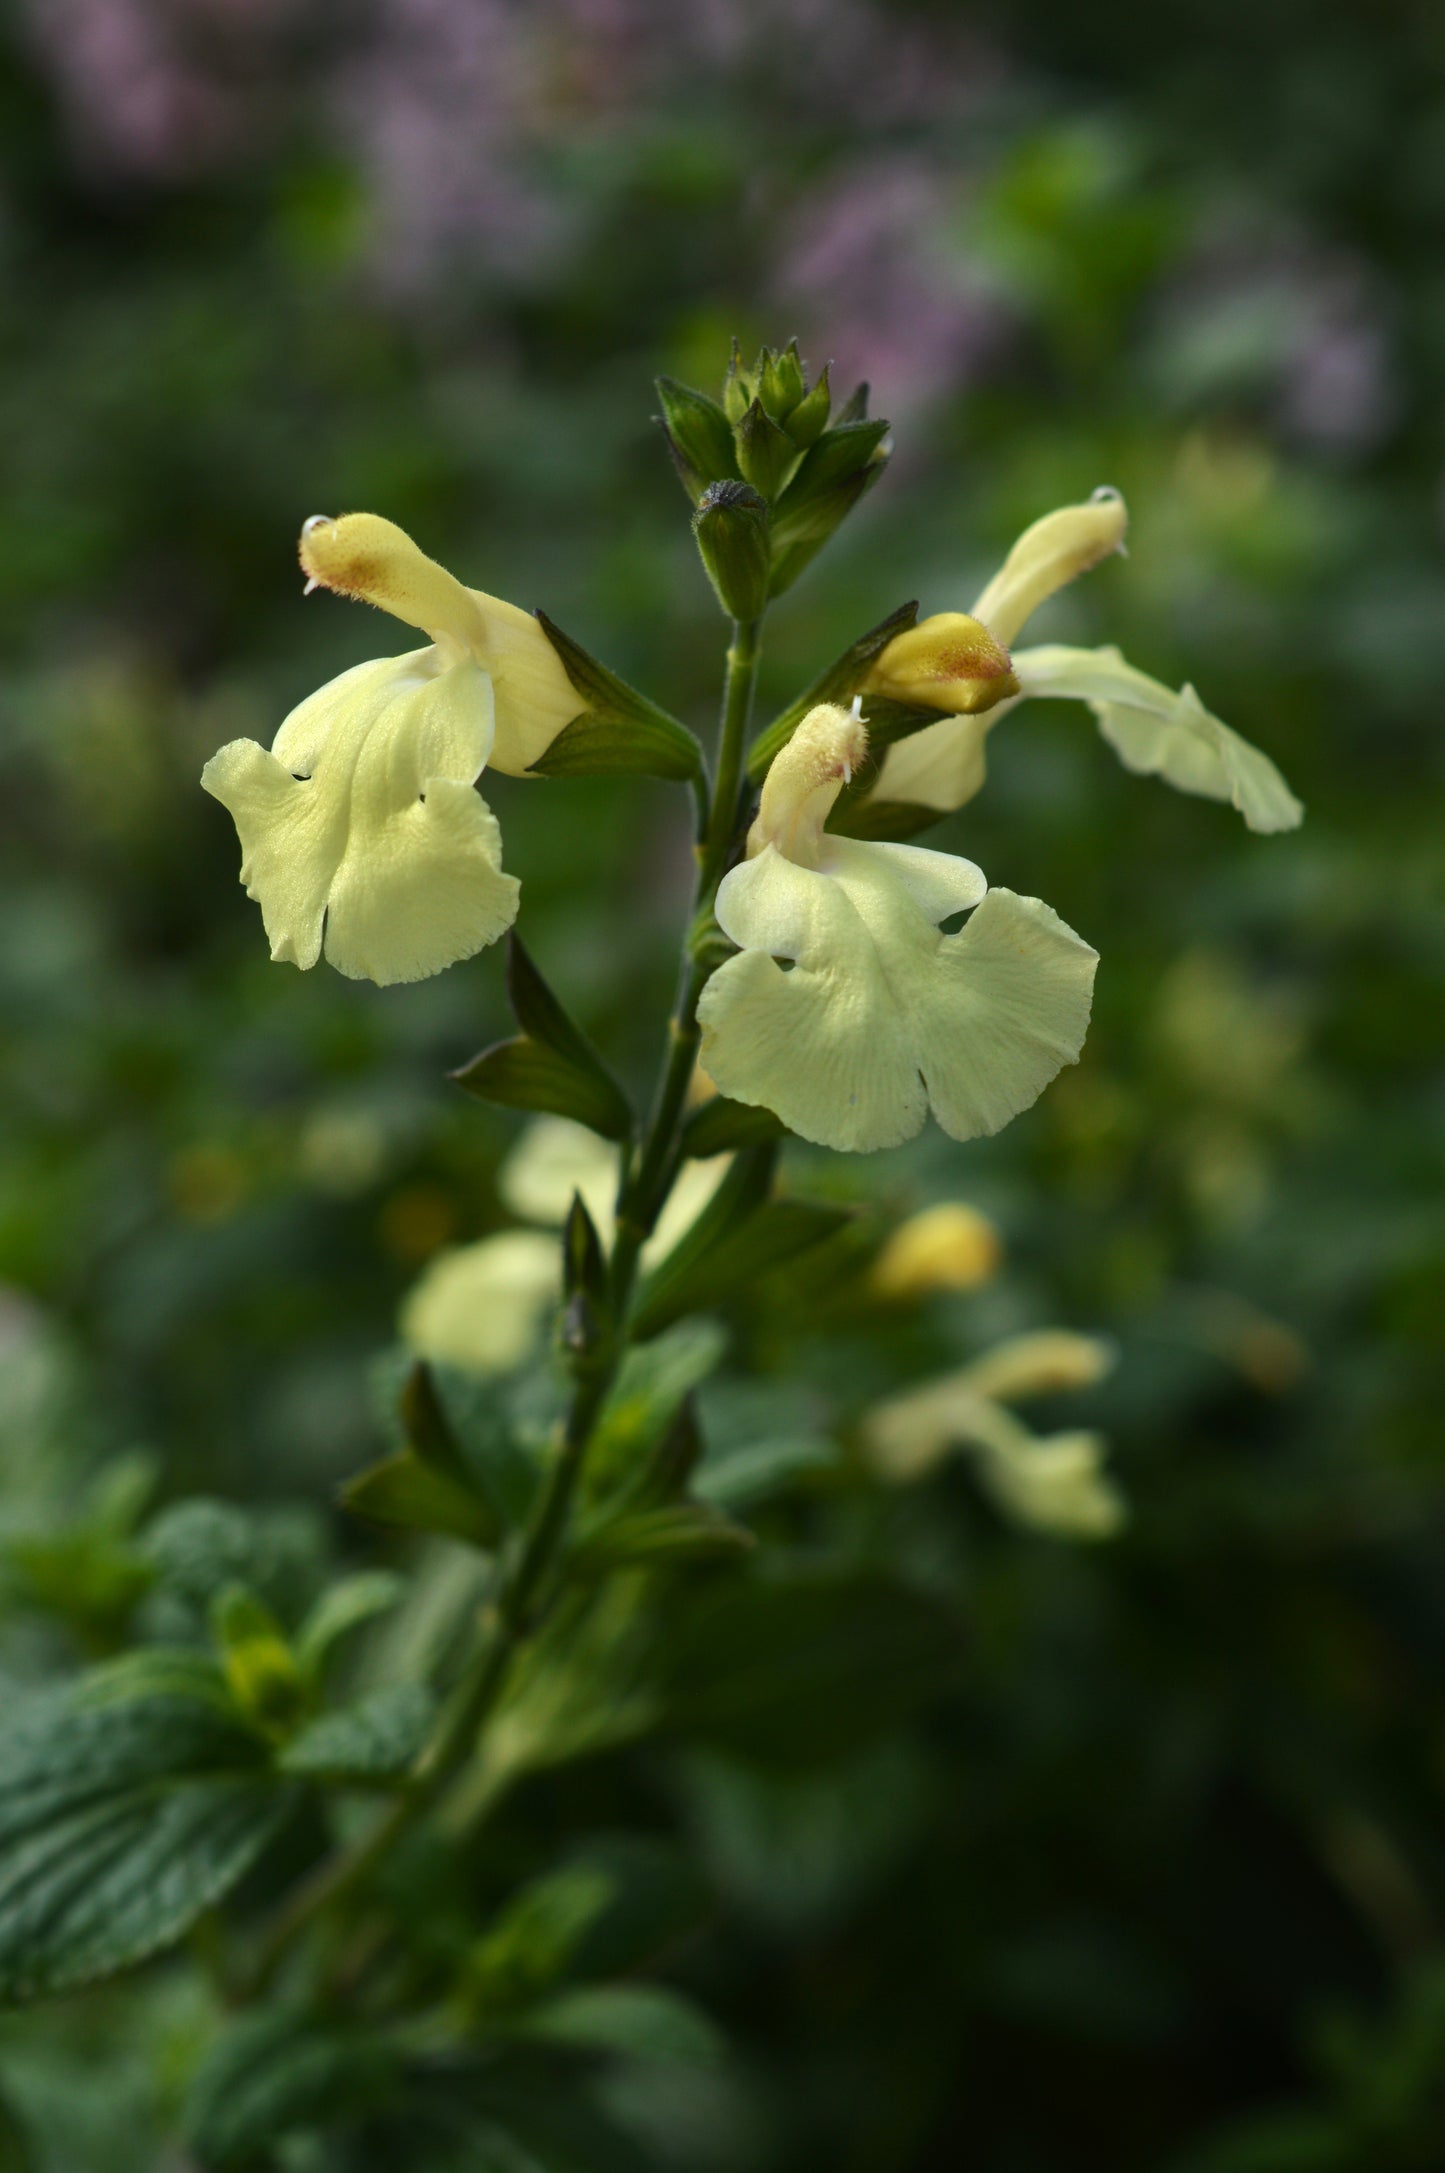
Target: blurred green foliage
(979, 1850)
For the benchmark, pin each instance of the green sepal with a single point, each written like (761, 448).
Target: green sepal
(551, 1065)
(831, 478)
(839, 683)
(738, 389)
(722, 1127)
(620, 733)
(780, 380)
(699, 436)
(766, 454)
(809, 419)
(855, 407)
(731, 527)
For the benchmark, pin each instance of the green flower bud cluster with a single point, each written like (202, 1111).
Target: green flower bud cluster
(800, 469)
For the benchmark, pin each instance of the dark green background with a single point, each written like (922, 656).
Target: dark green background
(1156, 1887)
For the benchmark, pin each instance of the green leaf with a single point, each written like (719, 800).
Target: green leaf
(280, 2071)
(675, 1532)
(699, 436)
(803, 1672)
(551, 1065)
(739, 1235)
(533, 1940)
(257, 1660)
(839, 683)
(120, 1824)
(404, 1491)
(653, 1382)
(722, 1127)
(835, 474)
(620, 733)
(17, 2154)
(639, 2021)
(345, 1607)
(734, 1478)
(377, 1739)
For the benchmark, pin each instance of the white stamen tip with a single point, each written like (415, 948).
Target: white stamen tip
(313, 583)
(317, 520)
(1105, 495)
(857, 709)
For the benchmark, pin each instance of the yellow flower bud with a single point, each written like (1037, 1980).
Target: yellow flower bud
(949, 662)
(948, 1247)
(1056, 550)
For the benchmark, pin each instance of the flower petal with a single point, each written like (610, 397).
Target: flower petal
(941, 767)
(1156, 732)
(482, 1306)
(534, 696)
(382, 834)
(881, 1014)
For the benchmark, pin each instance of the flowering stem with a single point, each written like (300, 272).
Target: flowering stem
(510, 1618)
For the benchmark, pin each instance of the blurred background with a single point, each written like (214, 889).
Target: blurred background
(1156, 1883)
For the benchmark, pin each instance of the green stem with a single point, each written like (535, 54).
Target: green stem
(509, 1619)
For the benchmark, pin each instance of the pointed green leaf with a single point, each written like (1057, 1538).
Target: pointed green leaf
(809, 419)
(551, 1065)
(839, 683)
(855, 407)
(120, 1823)
(402, 1490)
(342, 1608)
(620, 733)
(766, 454)
(740, 1234)
(722, 1127)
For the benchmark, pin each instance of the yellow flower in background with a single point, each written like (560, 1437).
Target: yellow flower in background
(947, 1247)
(361, 828)
(879, 1015)
(1153, 730)
(1053, 1483)
(483, 1307)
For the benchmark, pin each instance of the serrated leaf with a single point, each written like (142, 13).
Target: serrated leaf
(723, 1127)
(157, 1671)
(839, 683)
(401, 1490)
(551, 1065)
(120, 1823)
(620, 733)
(376, 1739)
(281, 2071)
(342, 1608)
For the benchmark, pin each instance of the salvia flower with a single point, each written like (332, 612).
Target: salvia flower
(1151, 728)
(876, 1015)
(1054, 1483)
(360, 829)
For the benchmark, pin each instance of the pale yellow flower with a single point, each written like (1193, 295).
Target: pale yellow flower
(361, 827)
(879, 1015)
(483, 1307)
(1052, 1482)
(1151, 728)
(946, 1247)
